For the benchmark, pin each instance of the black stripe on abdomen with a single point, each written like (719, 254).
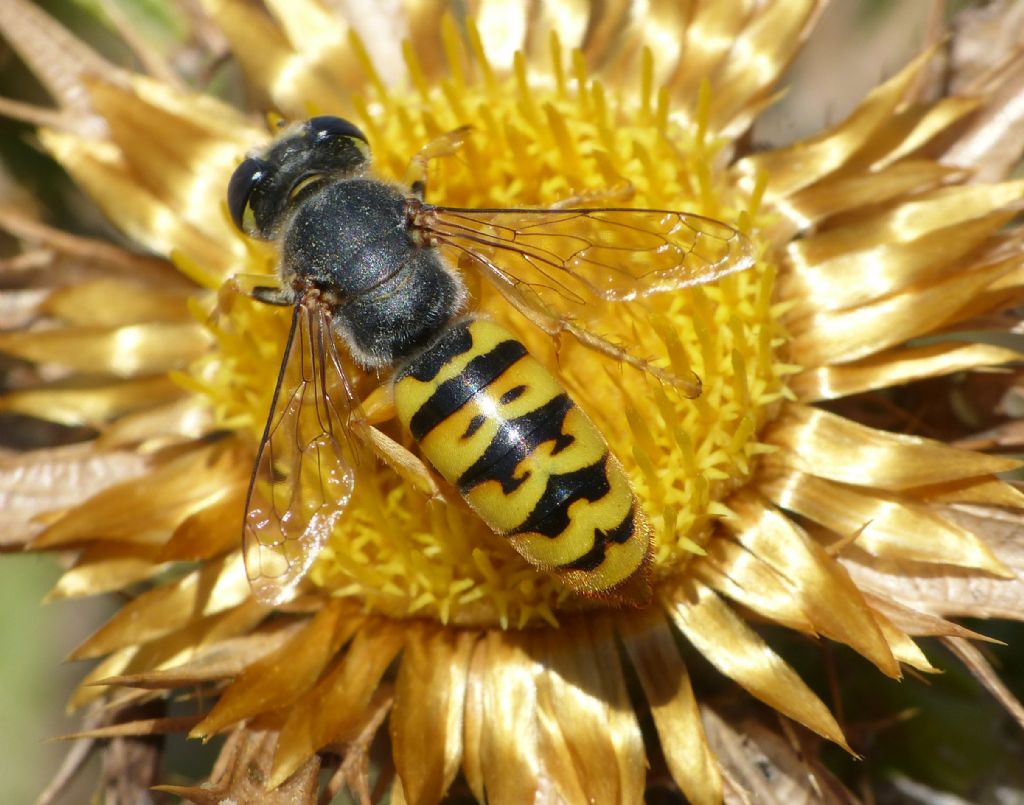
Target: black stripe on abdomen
(516, 440)
(593, 558)
(550, 515)
(425, 366)
(455, 392)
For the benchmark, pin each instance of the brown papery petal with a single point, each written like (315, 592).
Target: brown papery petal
(78, 255)
(215, 587)
(914, 128)
(802, 164)
(137, 211)
(56, 57)
(426, 718)
(130, 351)
(271, 63)
(340, 700)
(323, 41)
(637, 44)
(88, 690)
(169, 494)
(885, 526)
(181, 645)
(905, 222)
(760, 53)
(846, 336)
(982, 491)
(588, 737)
(874, 269)
(914, 622)
(501, 749)
(226, 658)
(896, 366)
(747, 579)
(211, 531)
(828, 596)
(903, 647)
(181, 162)
(767, 767)
(242, 771)
(729, 644)
(992, 144)
(148, 726)
(43, 480)
(837, 194)
(710, 39)
(830, 446)
(176, 647)
(106, 567)
(986, 61)
(278, 680)
(666, 683)
(949, 591)
(91, 402)
(187, 419)
(109, 302)
(18, 309)
(206, 111)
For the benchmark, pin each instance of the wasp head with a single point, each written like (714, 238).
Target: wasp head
(267, 185)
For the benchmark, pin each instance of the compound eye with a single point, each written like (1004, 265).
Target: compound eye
(325, 126)
(244, 180)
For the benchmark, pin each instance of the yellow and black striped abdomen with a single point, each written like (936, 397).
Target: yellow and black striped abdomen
(496, 424)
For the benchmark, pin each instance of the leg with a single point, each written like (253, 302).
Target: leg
(379, 406)
(554, 323)
(264, 288)
(261, 287)
(607, 197)
(398, 458)
(444, 146)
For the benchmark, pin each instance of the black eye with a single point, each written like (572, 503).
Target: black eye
(244, 180)
(325, 126)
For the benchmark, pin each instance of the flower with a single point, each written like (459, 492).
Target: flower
(764, 502)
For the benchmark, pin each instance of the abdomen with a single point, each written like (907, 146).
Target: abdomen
(498, 426)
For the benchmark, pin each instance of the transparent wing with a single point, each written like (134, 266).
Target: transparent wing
(304, 476)
(556, 266)
(614, 254)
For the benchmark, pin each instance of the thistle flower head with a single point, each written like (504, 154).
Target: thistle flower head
(762, 501)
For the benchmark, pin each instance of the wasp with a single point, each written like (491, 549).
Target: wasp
(368, 263)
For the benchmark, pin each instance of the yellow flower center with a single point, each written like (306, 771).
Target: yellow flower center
(539, 140)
